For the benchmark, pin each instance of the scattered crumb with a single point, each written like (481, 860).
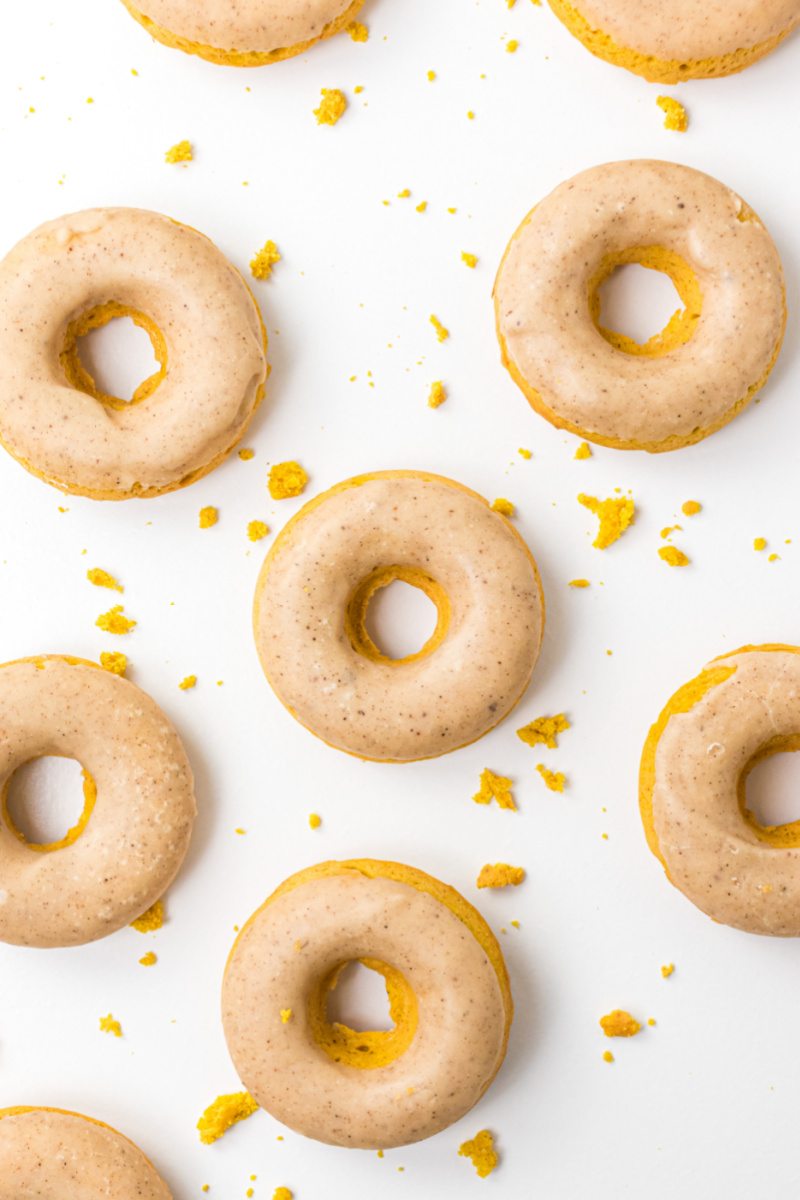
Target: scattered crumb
(495, 787)
(256, 530)
(554, 780)
(151, 920)
(578, 583)
(109, 1025)
(674, 114)
(511, 46)
(332, 106)
(208, 517)
(261, 268)
(438, 395)
(481, 1151)
(773, 557)
(286, 479)
(286, 1015)
(615, 516)
(114, 622)
(545, 730)
(431, 76)
(246, 455)
(500, 875)
(525, 453)
(667, 971)
(608, 1056)
(283, 1193)
(441, 333)
(690, 508)
(583, 451)
(102, 578)
(673, 556)
(181, 152)
(148, 960)
(668, 529)
(619, 1024)
(113, 661)
(357, 31)
(423, 204)
(187, 683)
(239, 831)
(314, 820)
(650, 1021)
(504, 507)
(406, 192)
(470, 259)
(224, 1112)
(515, 924)
(759, 543)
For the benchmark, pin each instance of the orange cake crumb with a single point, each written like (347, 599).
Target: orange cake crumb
(511, 46)
(525, 453)
(615, 516)
(608, 1056)
(674, 114)
(668, 529)
(431, 76)
(470, 259)
(101, 578)
(759, 543)
(690, 508)
(545, 730)
(151, 920)
(109, 1025)
(583, 451)
(578, 583)
(773, 557)
(224, 1112)
(554, 780)
(500, 875)
(504, 507)
(261, 268)
(332, 106)
(286, 1015)
(619, 1024)
(495, 787)
(113, 661)
(286, 479)
(438, 395)
(667, 971)
(481, 1152)
(114, 622)
(283, 1193)
(357, 31)
(441, 333)
(246, 455)
(187, 683)
(423, 204)
(181, 152)
(148, 960)
(256, 530)
(314, 820)
(406, 192)
(208, 517)
(673, 556)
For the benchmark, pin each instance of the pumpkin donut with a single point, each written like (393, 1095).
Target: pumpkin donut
(740, 709)
(684, 39)
(317, 581)
(134, 831)
(712, 357)
(243, 33)
(448, 988)
(77, 273)
(56, 1155)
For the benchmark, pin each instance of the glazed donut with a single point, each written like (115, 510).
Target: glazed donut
(712, 357)
(317, 581)
(449, 993)
(56, 1155)
(666, 43)
(77, 273)
(740, 709)
(134, 832)
(248, 33)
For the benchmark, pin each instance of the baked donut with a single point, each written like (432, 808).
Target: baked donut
(711, 358)
(56, 1155)
(77, 273)
(447, 984)
(740, 709)
(666, 43)
(317, 581)
(243, 33)
(134, 832)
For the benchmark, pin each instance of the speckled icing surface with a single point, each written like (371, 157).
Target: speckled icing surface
(178, 278)
(542, 301)
(459, 1040)
(263, 25)
(139, 830)
(416, 709)
(686, 29)
(52, 1155)
(712, 855)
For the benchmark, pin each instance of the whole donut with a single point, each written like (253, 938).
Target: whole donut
(135, 829)
(56, 1155)
(743, 707)
(314, 588)
(666, 43)
(77, 273)
(449, 993)
(709, 361)
(247, 33)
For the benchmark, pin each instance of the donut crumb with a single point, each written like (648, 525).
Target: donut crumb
(114, 622)
(438, 395)
(470, 259)
(286, 1015)
(608, 1056)
(675, 116)
(109, 1025)
(151, 920)
(578, 583)
(495, 787)
(188, 682)
(357, 31)
(331, 107)
(261, 268)
(667, 971)
(246, 455)
(619, 1023)
(181, 152)
(441, 333)
(615, 515)
(583, 451)
(101, 578)
(690, 508)
(208, 517)
(149, 959)
(480, 1150)
(314, 820)
(673, 556)
(554, 780)
(286, 479)
(256, 530)
(224, 1112)
(544, 730)
(500, 875)
(759, 543)
(113, 661)
(282, 1193)
(504, 507)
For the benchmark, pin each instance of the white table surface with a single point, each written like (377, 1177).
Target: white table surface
(704, 1103)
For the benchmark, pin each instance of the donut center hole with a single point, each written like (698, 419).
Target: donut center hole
(360, 999)
(772, 790)
(397, 614)
(47, 802)
(115, 354)
(645, 301)
(363, 1013)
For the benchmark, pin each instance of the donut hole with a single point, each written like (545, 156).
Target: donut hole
(770, 792)
(397, 614)
(115, 354)
(47, 802)
(360, 999)
(380, 1039)
(649, 299)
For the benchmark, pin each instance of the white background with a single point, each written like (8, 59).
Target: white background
(704, 1103)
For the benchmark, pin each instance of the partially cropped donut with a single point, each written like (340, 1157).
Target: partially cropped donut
(742, 708)
(247, 33)
(712, 357)
(449, 993)
(683, 39)
(137, 820)
(317, 581)
(51, 1154)
(79, 272)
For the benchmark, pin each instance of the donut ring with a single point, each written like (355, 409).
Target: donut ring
(53, 1154)
(682, 40)
(447, 984)
(314, 588)
(712, 357)
(135, 829)
(249, 33)
(77, 273)
(742, 708)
